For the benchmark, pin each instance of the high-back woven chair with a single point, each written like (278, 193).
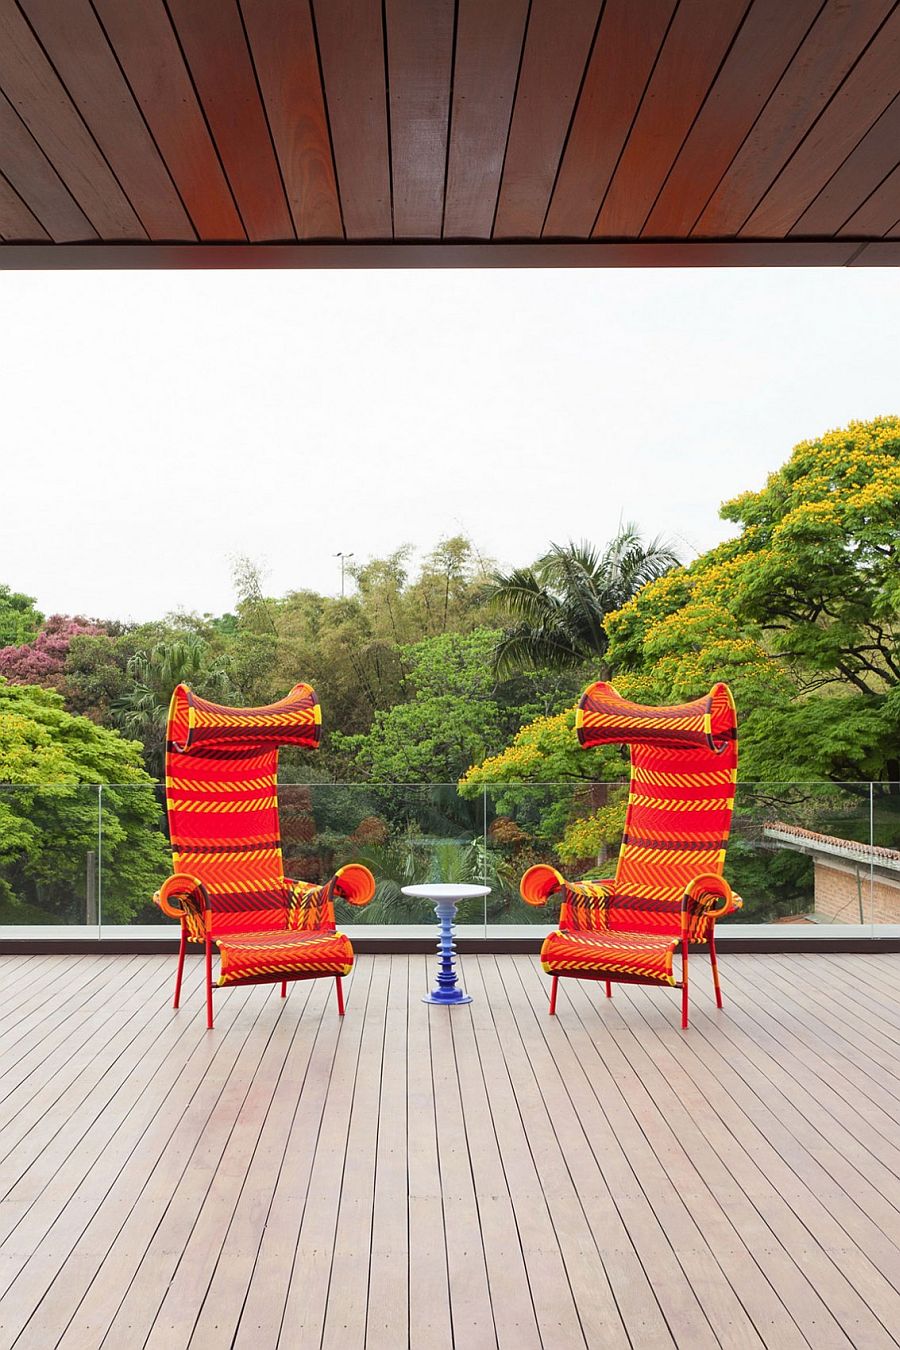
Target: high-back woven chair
(668, 889)
(228, 876)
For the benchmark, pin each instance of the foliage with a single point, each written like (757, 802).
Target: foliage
(799, 613)
(545, 750)
(19, 620)
(558, 606)
(95, 673)
(141, 711)
(43, 660)
(49, 817)
(410, 858)
(589, 837)
(456, 712)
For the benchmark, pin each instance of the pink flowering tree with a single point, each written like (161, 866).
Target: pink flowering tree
(43, 660)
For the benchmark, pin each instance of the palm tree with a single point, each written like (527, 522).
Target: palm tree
(141, 712)
(559, 604)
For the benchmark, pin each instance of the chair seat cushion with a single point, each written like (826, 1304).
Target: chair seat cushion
(616, 956)
(282, 954)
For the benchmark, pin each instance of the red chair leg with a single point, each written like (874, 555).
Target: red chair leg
(181, 948)
(209, 1011)
(340, 995)
(609, 988)
(684, 984)
(284, 988)
(715, 968)
(553, 983)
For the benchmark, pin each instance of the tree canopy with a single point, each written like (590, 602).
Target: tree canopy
(19, 620)
(50, 816)
(800, 612)
(557, 607)
(456, 712)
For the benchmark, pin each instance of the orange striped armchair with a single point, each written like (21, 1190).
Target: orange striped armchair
(668, 889)
(228, 885)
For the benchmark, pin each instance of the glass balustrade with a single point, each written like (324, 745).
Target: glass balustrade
(803, 856)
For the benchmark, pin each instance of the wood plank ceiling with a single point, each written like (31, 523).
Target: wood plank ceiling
(449, 132)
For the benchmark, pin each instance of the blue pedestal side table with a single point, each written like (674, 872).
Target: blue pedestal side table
(445, 896)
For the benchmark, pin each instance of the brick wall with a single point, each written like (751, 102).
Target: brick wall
(837, 894)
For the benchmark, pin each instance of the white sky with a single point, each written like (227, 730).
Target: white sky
(154, 424)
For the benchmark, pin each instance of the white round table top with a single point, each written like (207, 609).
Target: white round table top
(446, 890)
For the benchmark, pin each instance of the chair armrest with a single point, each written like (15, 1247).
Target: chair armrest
(707, 897)
(354, 883)
(195, 905)
(539, 882)
(311, 906)
(583, 902)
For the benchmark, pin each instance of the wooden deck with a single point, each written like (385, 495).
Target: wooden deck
(416, 1177)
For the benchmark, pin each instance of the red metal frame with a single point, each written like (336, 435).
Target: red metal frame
(681, 984)
(207, 952)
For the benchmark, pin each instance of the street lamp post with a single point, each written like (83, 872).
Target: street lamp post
(342, 556)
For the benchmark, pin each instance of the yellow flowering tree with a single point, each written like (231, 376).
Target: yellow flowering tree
(799, 613)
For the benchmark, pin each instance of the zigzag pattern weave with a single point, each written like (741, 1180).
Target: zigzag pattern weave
(221, 794)
(252, 958)
(636, 956)
(683, 772)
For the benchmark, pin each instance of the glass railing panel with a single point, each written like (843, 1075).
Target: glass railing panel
(555, 823)
(799, 854)
(788, 853)
(50, 855)
(884, 861)
(406, 835)
(773, 860)
(135, 856)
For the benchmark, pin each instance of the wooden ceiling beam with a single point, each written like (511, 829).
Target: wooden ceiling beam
(388, 254)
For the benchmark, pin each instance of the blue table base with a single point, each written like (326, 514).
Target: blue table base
(447, 990)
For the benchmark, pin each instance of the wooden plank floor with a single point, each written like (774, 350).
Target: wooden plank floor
(481, 1177)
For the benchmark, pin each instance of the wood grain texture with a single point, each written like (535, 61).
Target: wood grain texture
(865, 94)
(485, 1175)
(297, 126)
(627, 46)
(828, 53)
(420, 59)
(557, 47)
(880, 213)
(489, 40)
(287, 64)
(696, 43)
(763, 49)
(37, 183)
(33, 88)
(351, 45)
(74, 41)
(862, 173)
(212, 36)
(148, 51)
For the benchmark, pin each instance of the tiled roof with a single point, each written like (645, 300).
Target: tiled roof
(833, 844)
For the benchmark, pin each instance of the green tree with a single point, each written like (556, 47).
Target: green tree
(458, 711)
(19, 620)
(96, 674)
(141, 711)
(51, 818)
(558, 606)
(800, 613)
